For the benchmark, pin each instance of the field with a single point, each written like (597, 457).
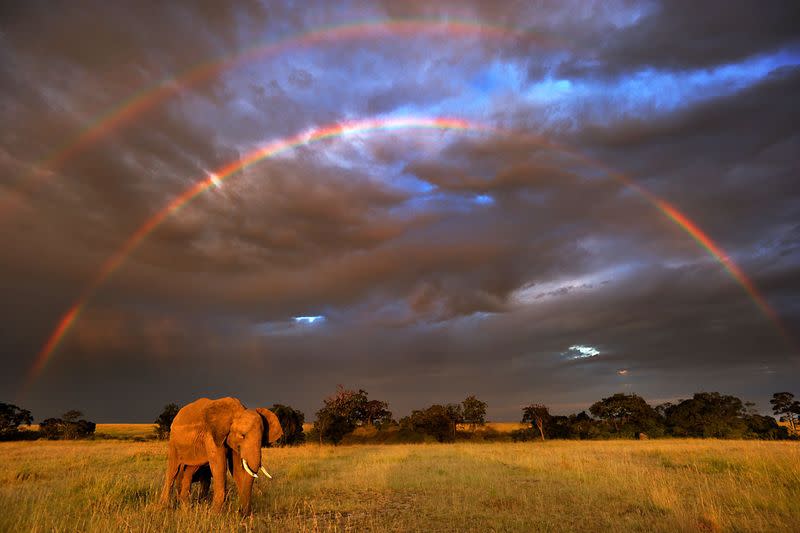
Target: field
(668, 485)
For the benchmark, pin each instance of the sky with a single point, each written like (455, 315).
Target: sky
(542, 201)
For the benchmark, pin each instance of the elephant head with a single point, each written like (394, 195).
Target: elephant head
(215, 432)
(240, 430)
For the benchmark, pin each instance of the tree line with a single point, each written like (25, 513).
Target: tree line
(349, 412)
(71, 425)
(704, 415)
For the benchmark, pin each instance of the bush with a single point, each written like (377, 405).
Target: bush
(345, 411)
(524, 435)
(68, 427)
(11, 417)
(292, 424)
(164, 420)
(437, 421)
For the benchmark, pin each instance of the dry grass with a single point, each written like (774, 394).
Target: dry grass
(118, 431)
(126, 431)
(657, 485)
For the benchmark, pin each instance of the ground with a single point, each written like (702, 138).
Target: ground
(656, 485)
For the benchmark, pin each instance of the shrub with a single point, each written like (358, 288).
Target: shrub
(164, 420)
(67, 427)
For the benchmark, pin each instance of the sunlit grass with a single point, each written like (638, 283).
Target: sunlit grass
(126, 431)
(669, 485)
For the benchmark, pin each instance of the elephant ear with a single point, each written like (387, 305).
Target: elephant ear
(272, 426)
(219, 416)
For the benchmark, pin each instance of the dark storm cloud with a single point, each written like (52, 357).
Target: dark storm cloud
(444, 263)
(735, 152)
(100, 37)
(683, 34)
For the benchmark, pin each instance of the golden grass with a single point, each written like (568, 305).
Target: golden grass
(119, 431)
(656, 485)
(126, 431)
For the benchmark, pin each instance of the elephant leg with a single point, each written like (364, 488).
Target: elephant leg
(172, 470)
(217, 464)
(186, 482)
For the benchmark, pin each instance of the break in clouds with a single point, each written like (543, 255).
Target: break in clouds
(420, 265)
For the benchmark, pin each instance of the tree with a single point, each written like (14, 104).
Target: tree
(581, 426)
(377, 413)
(164, 420)
(72, 415)
(11, 418)
(292, 424)
(455, 415)
(537, 415)
(474, 411)
(628, 414)
(764, 427)
(342, 413)
(437, 421)
(67, 427)
(707, 414)
(785, 406)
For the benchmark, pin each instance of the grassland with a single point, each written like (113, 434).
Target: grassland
(656, 485)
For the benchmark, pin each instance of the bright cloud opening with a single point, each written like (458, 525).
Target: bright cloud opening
(582, 351)
(309, 319)
(215, 179)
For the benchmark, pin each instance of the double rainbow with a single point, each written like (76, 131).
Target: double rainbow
(215, 178)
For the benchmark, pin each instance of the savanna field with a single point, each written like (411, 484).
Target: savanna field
(654, 485)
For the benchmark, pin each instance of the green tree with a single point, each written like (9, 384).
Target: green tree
(72, 415)
(67, 427)
(436, 421)
(474, 411)
(455, 414)
(11, 417)
(628, 414)
(292, 424)
(581, 426)
(377, 413)
(164, 420)
(785, 406)
(764, 427)
(537, 415)
(342, 413)
(707, 414)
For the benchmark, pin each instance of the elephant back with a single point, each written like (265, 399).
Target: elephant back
(205, 412)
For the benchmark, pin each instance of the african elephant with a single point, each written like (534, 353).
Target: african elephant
(223, 434)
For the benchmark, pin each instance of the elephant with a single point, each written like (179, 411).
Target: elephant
(224, 435)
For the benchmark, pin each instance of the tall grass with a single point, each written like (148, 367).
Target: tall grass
(669, 485)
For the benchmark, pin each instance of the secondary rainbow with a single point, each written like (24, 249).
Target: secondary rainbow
(214, 179)
(145, 100)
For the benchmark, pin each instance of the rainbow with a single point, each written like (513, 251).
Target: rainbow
(150, 97)
(215, 178)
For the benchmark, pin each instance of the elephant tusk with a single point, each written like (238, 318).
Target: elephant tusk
(247, 468)
(265, 472)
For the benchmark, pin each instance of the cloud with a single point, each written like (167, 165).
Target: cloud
(444, 262)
